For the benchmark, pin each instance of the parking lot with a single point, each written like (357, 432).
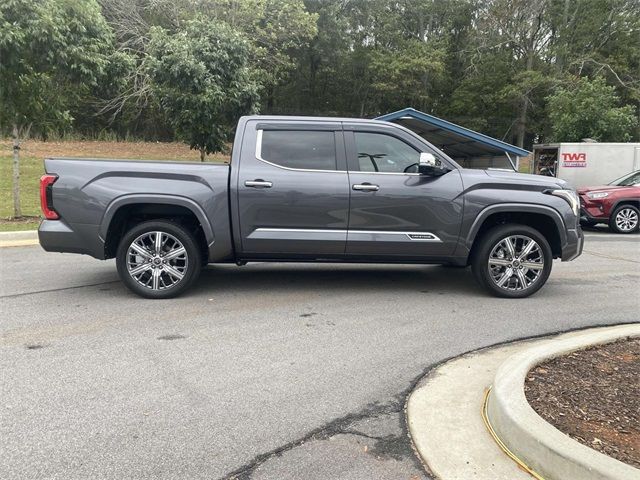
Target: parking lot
(262, 371)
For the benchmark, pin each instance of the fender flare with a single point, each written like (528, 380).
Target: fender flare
(160, 199)
(516, 208)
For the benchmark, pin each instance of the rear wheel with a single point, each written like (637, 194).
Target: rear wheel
(624, 219)
(512, 261)
(158, 259)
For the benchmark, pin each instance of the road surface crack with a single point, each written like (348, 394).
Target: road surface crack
(335, 427)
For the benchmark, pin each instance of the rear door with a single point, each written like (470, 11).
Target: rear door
(293, 190)
(396, 212)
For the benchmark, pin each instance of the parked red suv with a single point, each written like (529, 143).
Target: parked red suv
(617, 204)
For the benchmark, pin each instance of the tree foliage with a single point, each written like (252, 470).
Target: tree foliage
(202, 81)
(53, 52)
(590, 109)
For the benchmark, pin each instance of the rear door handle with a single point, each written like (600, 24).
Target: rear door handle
(258, 183)
(366, 187)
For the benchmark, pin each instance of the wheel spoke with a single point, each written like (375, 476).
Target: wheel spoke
(139, 269)
(158, 244)
(156, 278)
(527, 250)
(173, 272)
(503, 262)
(512, 252)
(508, 273)
(175, 253)
(141, 251)
(533, 265)
(522, 279)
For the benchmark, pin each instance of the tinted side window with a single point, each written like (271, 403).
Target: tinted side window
(378, 152)
(314, 150)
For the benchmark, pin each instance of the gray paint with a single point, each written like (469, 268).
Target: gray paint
(296, 214)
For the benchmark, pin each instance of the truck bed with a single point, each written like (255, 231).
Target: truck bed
(89, 192)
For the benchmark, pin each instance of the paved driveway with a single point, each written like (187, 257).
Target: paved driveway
(266, 371)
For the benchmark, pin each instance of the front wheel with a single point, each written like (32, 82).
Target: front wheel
(158, 259)
(512, 261)
(624, 219)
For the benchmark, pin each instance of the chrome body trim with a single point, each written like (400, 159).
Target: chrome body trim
(353, 235)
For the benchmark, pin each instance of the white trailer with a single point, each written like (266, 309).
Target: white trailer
(587, 163)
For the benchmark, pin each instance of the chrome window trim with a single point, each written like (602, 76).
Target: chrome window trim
(259, 157)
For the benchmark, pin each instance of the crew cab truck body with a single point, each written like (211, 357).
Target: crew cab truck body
(310, 189)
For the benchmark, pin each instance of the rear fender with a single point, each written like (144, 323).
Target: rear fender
(119, 202)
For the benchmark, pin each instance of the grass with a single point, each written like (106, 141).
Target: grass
(27, 223)
(33, 152)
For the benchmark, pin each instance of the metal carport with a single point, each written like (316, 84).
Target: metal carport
(468, 148)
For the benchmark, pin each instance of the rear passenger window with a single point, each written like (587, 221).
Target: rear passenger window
(315, 150)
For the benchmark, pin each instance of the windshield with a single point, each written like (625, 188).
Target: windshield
(630, 179)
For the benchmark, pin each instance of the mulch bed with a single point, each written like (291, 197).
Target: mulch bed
(593, 395)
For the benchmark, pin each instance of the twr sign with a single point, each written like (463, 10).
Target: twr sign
(574, 159)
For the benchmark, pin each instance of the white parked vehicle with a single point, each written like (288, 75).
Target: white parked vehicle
(586, 163)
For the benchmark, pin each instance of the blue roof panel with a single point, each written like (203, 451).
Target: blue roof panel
(485, 140)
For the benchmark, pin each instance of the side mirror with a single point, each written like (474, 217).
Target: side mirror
(429, 165)
(427, 159)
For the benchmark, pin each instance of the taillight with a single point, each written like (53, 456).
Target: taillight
(46, 196)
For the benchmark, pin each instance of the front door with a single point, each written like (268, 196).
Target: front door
(395, 211)
(293, 190)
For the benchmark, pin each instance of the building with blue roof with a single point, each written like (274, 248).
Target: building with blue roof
(469, 148)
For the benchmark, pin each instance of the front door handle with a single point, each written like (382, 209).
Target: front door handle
(366, 187)
(258, 183)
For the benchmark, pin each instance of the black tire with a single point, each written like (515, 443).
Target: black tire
(490, 240)
(624, 209)
(188, 263)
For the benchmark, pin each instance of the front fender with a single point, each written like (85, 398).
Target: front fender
(516, 208)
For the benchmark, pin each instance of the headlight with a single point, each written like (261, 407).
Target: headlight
(571, 197)
(596, 195)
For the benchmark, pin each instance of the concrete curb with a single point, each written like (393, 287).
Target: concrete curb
(537, 443)
(17, 239)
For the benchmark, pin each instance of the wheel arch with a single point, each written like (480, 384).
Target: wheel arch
(120, 212)
(625, 201)
(544, 219)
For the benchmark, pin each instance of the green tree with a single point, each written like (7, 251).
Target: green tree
(203, 82)
(590, 109)
(52, 52)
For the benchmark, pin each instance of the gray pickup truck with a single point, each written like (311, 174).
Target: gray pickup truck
(309, 189)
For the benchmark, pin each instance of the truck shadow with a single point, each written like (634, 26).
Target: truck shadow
(602, 228)
(335, 278)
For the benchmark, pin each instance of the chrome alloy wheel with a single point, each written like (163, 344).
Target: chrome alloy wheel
(516, 262)
(627, 220)
(157, 260)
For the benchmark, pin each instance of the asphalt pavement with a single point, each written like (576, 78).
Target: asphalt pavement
(267, 371)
